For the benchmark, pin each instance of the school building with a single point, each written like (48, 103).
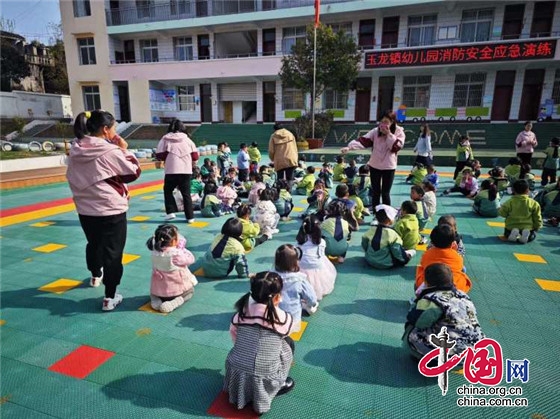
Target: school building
(208, 61)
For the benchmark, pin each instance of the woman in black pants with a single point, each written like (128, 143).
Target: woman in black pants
(386, 141)
(99, 167)
(180, 154)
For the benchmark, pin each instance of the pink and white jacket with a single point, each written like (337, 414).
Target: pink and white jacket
(97, 173)
(170, 273)
(178, 151)
(255, 192)
(254, 313)
(227, 194)
(525, 142)
(384, 148)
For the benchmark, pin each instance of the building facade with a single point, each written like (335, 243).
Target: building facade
(218, 60)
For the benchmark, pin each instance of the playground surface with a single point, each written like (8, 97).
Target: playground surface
(62, 357)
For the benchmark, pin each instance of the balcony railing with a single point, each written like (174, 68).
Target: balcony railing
(174, 10)
(39, 60)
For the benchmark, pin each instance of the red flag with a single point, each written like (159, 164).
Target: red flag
(317, 7)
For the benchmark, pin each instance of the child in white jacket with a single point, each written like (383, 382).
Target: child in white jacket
(266, 215)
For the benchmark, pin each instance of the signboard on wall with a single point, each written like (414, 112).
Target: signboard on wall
(477, 53)
(163, 100)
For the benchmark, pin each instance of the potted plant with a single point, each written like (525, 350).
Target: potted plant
(303, 128)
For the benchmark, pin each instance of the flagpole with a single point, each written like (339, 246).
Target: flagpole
(314, 76)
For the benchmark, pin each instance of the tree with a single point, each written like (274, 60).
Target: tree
(337, 66)
(56, 77)
(13, 64)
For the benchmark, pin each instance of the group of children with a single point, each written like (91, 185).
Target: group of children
(303, 273)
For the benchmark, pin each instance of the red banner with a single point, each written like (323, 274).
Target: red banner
(317, 7)
(501, 51)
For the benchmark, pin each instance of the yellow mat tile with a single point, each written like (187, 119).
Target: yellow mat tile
(496, 224)
(2, 322)
(140, 218)
(303, 201)
(421, 247)
(199, 224)
(60, 285)
(297, 209)
(127, 258)
(426, 231)
(529, 258)
(148, 309)
(548, 285)
(297, 335)
(49, 247)
(148, 197)
(199, 272)
(43, 224)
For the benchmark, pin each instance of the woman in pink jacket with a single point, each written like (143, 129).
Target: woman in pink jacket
(99, 167)
(179, 153)
(386, 141)
(525, 142)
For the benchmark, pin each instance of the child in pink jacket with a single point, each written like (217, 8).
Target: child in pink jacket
(172, 282)
(227, 195)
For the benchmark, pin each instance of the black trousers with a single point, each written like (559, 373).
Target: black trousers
(381, 183)
(548, 175)
(525, 157)
(287, 174)
(425, 160)
(459, 166)
(183, 183)
(106, 237)
(243, 175)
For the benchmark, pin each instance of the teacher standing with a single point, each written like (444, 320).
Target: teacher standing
(179, 153)
(386, 141)
(282, 150)
(525, 142)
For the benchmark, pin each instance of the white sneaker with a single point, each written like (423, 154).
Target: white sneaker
(155, 302)
(513, 235)
(275, 231)
(109, 304)
(96, 281)
(524, 236)
(169, 306)
(190, 221)
(170, 217)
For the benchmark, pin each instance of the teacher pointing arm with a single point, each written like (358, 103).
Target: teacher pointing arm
(385, 141)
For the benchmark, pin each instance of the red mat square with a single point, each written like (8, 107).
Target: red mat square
(81, 362)
(223, 408)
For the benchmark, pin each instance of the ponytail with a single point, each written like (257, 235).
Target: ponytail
(176, 125)
(492, 192)
(92, 122)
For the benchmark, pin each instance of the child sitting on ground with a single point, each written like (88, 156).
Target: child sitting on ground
(305, 186)
(512, 169)
(226, 253)
(432, 176)
(283, 200)
(317, 201)
(301, 169)
(499, 178)
(487, 200)
(382, 244)
(297, 292)
(549, 200)
(206, 169)
(417, 195)
(525, 174)
(210, 205)
(197, 188)
(266, 215)
(172, 282)
(326, 175)
(407, 225)
(430, 198)
(417, 174)
(440, 305)
(343, 196)
(227, 195)
(551, 162)
(466, 184)
(363, 185)
(268, 175)
(256, 189)
(442, 238)
(250, 229)
(320, 272)
(522, 214)
(336, 231)
(338, 170)
(351, 171)
(259, 330)
(451, 221)
(359, 205)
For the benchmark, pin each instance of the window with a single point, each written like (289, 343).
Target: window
(144, 8)
(92, 99)
(390, 32)
(416, 91)
(335, 100)
(179, 7)
(345, 27)
(543, 15)
(291, 36)
(81, 8)
(292, 98)
(185, 96)
(86, 51)
(447, 32)
(149, 51)
(556, 87)
(421, 30)
(269, 41)
(366, 37)
(469, 89)
(183, 48)
(476, 25)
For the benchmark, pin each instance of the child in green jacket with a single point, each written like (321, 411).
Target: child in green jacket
(338, 170)
(522, 214)
(305, 186)
(464, 155)
(417, 174)
(407, 225)
(250, 229)
(254, 157)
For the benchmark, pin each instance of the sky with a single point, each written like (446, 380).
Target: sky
(31, 17)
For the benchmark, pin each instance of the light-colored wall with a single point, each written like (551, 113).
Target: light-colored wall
(42, 105)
